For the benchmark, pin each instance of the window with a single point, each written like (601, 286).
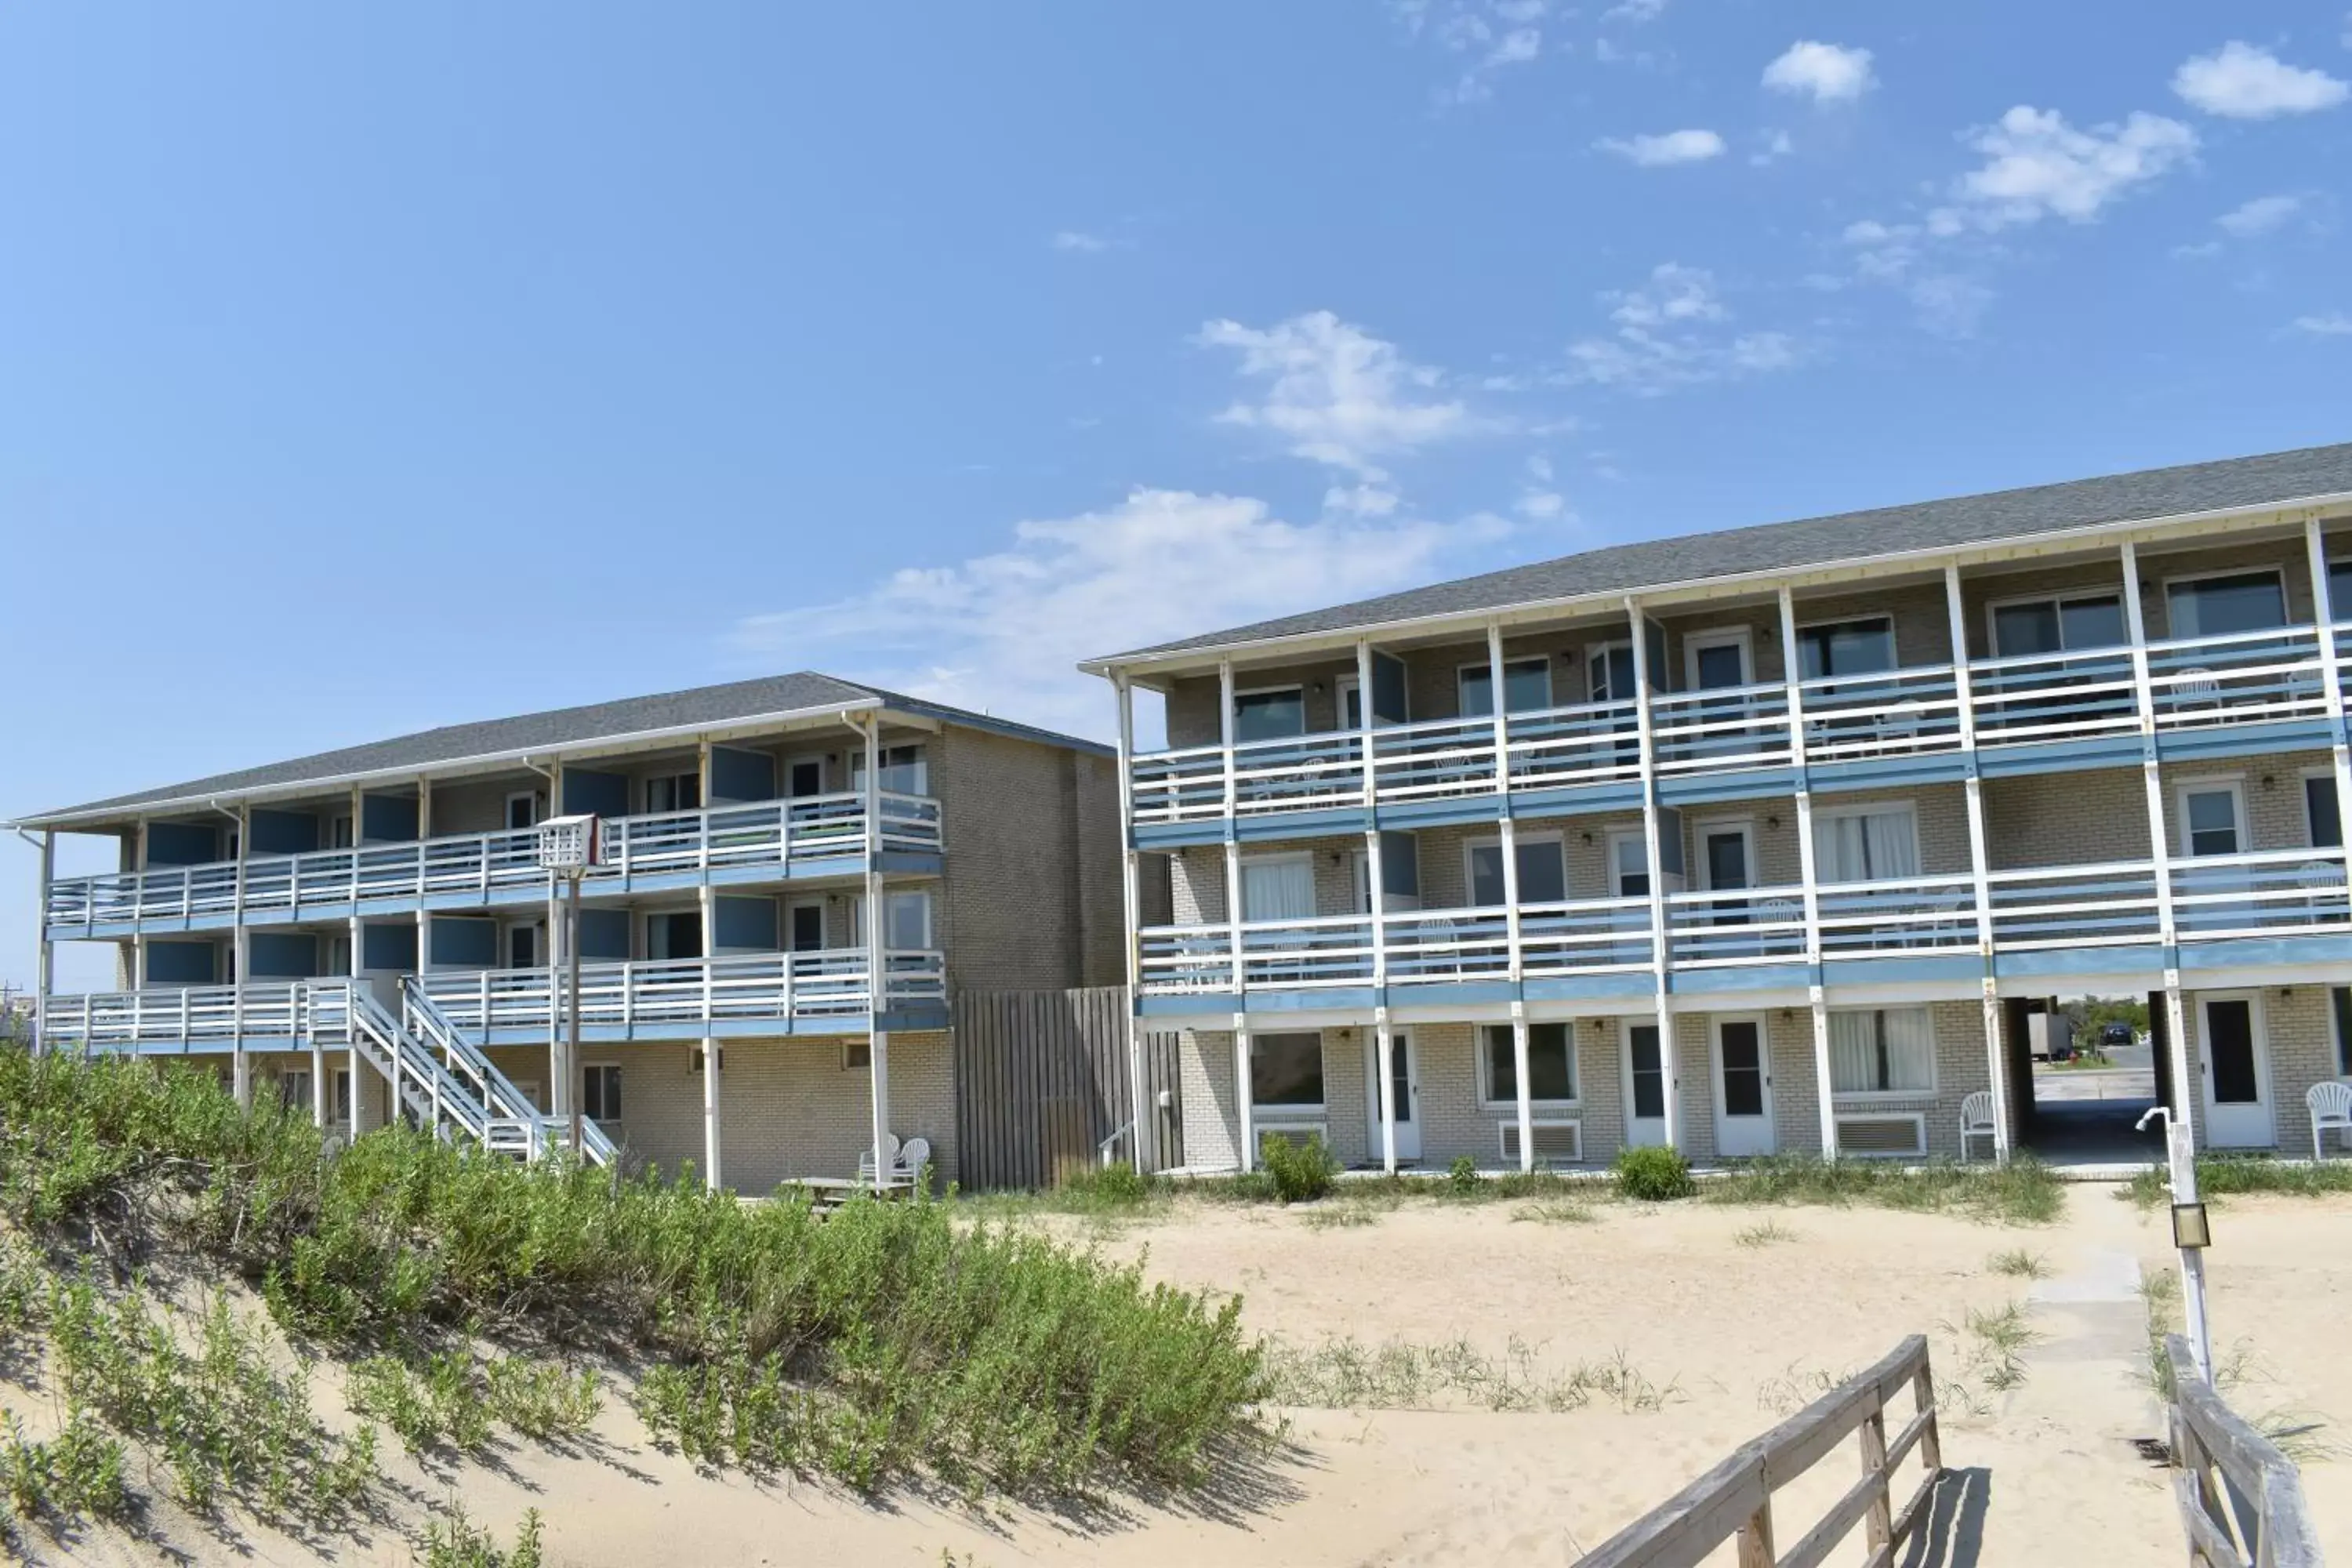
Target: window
(1269, 715)
(674, 792)
(2215, 606)
(1277, 888)
(904, 771)
(2058, 625)
(2319, 815)
(804, 776)
(1846, 647)
(807, 931)
(675, 935)
(856, 1056)
(2341, 999)
(2339, 590)
(1551, 1064)
(1886, 1050)
(343, 1094)
(1527, 686)
(1543, 873)
(1865, 846)
(1713, 661)
(600, 1092)
(522, 947)
(907, 922)
(1645, 1066)
(1629, 865)
(523, 810)
(2209, 820)
(1287, 1071)
(294, 1090)
(339, 833)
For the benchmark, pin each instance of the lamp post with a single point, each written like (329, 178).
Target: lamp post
(2193, 1232)
(568, 847)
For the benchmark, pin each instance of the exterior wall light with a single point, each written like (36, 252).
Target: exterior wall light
(2192, 1231)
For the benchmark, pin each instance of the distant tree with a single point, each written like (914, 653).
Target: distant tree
(2093, 1013)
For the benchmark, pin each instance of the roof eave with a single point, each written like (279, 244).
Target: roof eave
(1110, 664)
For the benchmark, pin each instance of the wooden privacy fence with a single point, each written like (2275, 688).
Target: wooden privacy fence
(1735, 1498)
(1041, 1083)
(2240, 1499)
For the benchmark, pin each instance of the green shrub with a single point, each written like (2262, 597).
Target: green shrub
(460, 1542)
(1653, 1175)
(886, 1339)
(2024, 1191)
(1301, 1172)
(1463, 1176)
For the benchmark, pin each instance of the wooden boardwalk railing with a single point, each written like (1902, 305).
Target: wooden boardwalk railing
(2240, 1499)
(1735, 1498)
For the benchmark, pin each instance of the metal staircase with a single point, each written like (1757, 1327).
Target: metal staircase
(440, 1078)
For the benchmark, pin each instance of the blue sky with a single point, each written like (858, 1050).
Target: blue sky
(366, 369)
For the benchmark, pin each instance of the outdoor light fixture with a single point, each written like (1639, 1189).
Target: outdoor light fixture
(2192, 1231)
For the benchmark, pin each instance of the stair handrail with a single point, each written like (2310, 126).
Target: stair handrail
(456, 1100)
(500, 1097)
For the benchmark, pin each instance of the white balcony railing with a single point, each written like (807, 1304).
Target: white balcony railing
(2195, 683)
(2269, 894)
(780, 988)
(766, 833)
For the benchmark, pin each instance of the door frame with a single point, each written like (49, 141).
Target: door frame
(1409, 1141)
(1641, 1132)
(1715, 1023)
(2266, 1101)
(1741, 637)
(1745, 827)
(792, 908)
(1596, 661)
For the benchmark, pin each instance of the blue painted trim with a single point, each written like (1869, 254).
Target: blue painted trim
(1314, 824)
(1747, 783)
(1740, 977)
(1579, 987)
(1452, 993)
(2242, 952)
(1351, 998)
(2059, 757)
(1178, 835)
(1577, 800)
(1882, 773)
(2138, 956)
(1893, 971)
(2245, 740)
(1442, 810)
(1187, 1004)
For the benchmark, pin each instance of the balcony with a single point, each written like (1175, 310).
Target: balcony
(2210, 695)
(753, 993)
(767, 840)
(2044, 920)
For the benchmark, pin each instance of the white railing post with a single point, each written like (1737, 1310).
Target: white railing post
(1507, 837)
(2331, 671)
(1980, 860)
(875, 938)
(44, 976)
(1233, 910)
(240, 960)
(1375, 883)
(1808, 871)
(1131, 907)
(1669, 1051)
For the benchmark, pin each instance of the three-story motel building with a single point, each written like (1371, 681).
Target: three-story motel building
(1767, 840)
(798, 873)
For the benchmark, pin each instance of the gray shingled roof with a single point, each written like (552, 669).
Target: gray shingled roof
(561, 728)
(2278, 478)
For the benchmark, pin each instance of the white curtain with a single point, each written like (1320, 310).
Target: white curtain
(1863, 847)
(1278, 891)
(1908, 1037)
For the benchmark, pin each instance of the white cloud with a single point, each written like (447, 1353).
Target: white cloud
(1492, 34)
(1634, 12)
(1831, 73)
(1658, 151)
(2242, 82)
(1665, 338)
(1337, 393)
(1003, 630)
(2036, 165)
(2260, 216)
(1948, 305)
(1077, 240)
(2333, 324)
(1776, 146)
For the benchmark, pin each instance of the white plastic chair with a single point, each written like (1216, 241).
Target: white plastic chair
(866, 1160)
(2322, 883)
(2330, 1103)
(915, 1156)
(1976, 1119)
(2197, 687)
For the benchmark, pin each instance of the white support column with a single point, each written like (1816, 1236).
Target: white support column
(424, 916)
(1980, 862)
(45, 969)
(2185, 1089)
(1669, 1049)
(1507, 850)
(878, 966)
(1131, 919)
(1376, 883)
(1247, 1153)
(559, 1077)
(2324, 610)
(708, 902)
(241, 962)
(1808, 874)
(356, 983)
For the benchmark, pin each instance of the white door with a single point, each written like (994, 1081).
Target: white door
(1406, 1074)
(1645, 1084)
(1743, 1088)
(2235, 1053)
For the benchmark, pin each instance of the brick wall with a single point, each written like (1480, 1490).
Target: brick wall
(2298, 1031)
(1031, 894)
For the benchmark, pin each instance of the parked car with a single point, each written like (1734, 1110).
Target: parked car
(2116, 1035)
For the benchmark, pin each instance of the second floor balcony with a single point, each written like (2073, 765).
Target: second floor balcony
(2087, 919)
(2212, 695)
(762, 841)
